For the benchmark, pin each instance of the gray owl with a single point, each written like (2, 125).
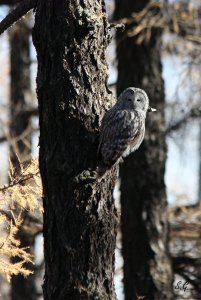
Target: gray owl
(122, 128)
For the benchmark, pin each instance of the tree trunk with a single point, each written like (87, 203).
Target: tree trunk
(20, 136)
(147, 267)
(79, 213)
(20, 94)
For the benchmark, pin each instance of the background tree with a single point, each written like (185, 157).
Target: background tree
(21, 110)
(147, 267)
(20, 93)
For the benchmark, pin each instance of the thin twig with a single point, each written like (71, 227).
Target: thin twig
(9, 140)
(18, 181)
(194, 113)
(15, 15)
(179, 19)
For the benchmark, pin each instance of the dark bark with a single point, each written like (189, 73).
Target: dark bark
(20, 133)
(147, 267)
(79, 216)
(9, 2)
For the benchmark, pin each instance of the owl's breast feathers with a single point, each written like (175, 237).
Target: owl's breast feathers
(139, 136)
(122, 132)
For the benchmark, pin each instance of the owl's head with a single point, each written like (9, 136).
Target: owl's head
(134, 98)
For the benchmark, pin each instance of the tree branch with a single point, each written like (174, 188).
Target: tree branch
(180, 262)
(21, 10)
(18, 181)
(195, 112)
(3, 139)
(25, 114)
(180, 19)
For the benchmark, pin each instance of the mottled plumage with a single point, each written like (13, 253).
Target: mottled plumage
(122, 128)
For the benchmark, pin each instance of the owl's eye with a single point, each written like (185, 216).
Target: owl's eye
(129, 99)
(138, 99)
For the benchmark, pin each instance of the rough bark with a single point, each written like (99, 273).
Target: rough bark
(147, 267)
(79, 215)
(20, 136)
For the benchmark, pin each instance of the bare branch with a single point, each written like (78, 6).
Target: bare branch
(3, 139)
(21, 10)
(184, 242)
(113, 84)
(25, 114)
(9, 140)
(180, 19)
(195, 112)
(18, 181)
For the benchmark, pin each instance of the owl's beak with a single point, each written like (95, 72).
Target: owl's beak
(151, 109)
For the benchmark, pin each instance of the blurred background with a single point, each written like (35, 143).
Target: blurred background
(176, 26)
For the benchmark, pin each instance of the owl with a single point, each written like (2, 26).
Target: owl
(123, 128)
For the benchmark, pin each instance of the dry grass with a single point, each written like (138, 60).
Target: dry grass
(22, 194)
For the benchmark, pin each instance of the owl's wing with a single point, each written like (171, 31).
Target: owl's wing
(119, 129)
(107, 119)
